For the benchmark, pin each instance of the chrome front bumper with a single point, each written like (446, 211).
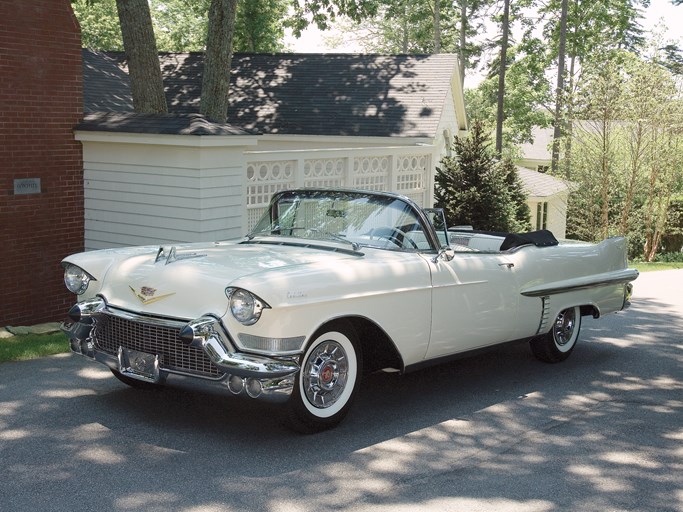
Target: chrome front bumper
(256, 376)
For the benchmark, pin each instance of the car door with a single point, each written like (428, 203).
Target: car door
(475, 300)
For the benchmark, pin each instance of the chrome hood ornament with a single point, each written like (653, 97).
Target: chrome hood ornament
(172, 256)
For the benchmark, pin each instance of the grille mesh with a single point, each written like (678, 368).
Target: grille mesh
(113, 331)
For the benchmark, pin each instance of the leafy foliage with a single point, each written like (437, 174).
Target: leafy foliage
(527, 91)
(475, 189)
(181, 26)
(100, 29)
(628, 158)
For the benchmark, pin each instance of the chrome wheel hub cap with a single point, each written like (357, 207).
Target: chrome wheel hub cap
(324, 374)
(564, 327)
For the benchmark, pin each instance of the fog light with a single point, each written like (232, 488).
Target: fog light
(235, 384)
(253, 388)
(75, 345)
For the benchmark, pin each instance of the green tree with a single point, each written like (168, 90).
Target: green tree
(502, 69)
(260, 26)
(402, 26)
(527, 97)
(628, 158)
(475, 189)
(591, 29)
(520, 215)
(421, 27)
(100, 27)
(181, 26)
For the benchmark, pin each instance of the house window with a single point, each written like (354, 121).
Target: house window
(542, 216)
(543, 168)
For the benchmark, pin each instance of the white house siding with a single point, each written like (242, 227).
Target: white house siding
(543, 188)
(155, 189)
(557, 214)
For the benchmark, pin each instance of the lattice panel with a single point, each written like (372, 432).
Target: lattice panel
(418, 198)
(254, 215)
(266, 178)
(371, 172)
(411, 172)
(326, 172)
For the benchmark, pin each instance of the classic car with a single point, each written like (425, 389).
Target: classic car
(330, 284)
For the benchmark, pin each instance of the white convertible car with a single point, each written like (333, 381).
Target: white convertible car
(330, 284)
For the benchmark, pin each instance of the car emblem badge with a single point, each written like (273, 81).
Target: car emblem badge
(146, 294)
(147, 291)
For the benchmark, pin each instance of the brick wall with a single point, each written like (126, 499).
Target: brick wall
(40, 103)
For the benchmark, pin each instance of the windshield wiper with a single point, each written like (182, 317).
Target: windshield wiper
(322, 235)
(340, 238)
(254, 234)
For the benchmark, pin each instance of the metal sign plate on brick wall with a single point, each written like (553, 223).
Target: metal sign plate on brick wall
(27, 186)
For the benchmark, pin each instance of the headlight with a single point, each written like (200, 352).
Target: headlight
(76, 279)
(245, 306)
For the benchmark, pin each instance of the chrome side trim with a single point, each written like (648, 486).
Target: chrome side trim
(545, 315)
(582, 283)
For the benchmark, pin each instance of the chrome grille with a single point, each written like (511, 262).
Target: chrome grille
(113, 331)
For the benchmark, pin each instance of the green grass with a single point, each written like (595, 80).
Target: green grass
(32, 346)
(659, 265)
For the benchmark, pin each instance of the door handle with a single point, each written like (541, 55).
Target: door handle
(506, 265)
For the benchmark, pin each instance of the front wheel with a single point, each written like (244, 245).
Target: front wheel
(327, 382)
(557, 345)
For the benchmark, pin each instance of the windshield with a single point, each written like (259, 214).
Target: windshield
(355, 218)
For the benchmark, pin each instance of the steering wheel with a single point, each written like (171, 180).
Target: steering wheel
(393, 235)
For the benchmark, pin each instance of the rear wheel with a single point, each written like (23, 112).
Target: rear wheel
(557, 345)
(327, 382)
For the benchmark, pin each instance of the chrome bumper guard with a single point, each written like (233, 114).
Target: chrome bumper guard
(267, 378)
(628, 294)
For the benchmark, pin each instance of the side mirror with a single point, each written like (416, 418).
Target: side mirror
(445, 253)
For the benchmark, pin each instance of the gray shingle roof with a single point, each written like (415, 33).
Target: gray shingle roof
(302, 94)
(172, 124)
(539, 148)
(538, 184)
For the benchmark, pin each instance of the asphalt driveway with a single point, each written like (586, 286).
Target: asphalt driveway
(500, 431)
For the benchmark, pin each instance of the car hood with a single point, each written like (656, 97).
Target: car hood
(190, 282)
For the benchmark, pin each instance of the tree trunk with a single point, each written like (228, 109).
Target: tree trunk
(216, 79)
(559, 93)
(605, 171)
(463, 39)
(139, 43)
(437, 26)
(405, 30)
(501, 78)
(569, 105)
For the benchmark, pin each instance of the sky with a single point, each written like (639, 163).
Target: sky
(312, 40)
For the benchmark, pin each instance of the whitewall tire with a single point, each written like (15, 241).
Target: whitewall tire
(559, 342)
(327, 382)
